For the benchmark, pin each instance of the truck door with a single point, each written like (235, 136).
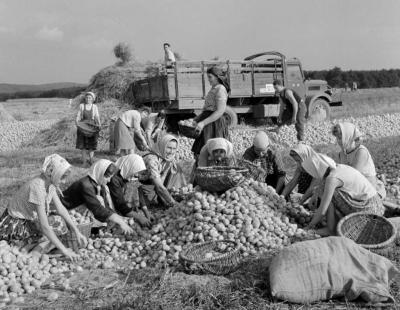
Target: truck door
(295, 79)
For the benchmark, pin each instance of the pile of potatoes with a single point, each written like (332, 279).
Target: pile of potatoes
(252, 215)
(15, 134)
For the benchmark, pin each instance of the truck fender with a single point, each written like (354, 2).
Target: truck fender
(321, 95)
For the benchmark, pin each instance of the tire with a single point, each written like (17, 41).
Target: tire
(231, 116)
(319, 110)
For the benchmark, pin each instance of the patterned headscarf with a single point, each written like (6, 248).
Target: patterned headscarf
(129, 165)
(161, 144)
(54, 167)
(350, 133)
(317, 164)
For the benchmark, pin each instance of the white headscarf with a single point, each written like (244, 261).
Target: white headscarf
(97, 170)
(317, 164)
(261, 140)
(129, 165)
(220, 144)
(350, 133)
(92, 94)
(304, 151)
(54, 167)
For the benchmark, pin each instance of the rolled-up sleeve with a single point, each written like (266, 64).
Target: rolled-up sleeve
(93, 204)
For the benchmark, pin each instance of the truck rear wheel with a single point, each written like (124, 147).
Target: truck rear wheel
(319, 110)
(231, 116)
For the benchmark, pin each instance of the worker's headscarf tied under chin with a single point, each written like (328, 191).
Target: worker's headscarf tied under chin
(221, 76)
(350, 136)
(130, 165)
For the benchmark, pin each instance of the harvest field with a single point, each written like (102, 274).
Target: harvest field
(152, 278)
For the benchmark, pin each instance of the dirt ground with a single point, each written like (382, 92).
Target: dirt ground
(150, 288)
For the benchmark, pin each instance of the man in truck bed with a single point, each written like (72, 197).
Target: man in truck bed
(292, 109)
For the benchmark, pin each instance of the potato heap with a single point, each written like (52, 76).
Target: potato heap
(182, 192)
(23, 273)
(252, 215)
(79, 218)
(188, 122)
(299, 215)
(14, 134)
(374, 126)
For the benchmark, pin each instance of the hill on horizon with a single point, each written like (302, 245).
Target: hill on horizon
(6, 88)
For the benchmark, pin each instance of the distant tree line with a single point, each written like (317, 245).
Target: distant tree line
(69, 92)
(364, 79)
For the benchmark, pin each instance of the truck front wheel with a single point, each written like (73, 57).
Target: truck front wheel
(319, 110)
(231, 116)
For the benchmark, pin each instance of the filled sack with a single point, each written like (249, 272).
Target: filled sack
(327, 268)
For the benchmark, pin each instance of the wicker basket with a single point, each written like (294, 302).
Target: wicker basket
(88, 129)
(219, 179)
(254, 171)
(69, 239)
(188, 131)
(223, 261)
(371, 231)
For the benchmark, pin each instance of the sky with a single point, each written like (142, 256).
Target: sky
(43, 41)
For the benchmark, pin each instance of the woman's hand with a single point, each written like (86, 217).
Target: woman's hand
(142, 220)
(71, 255)
(125, 228)
(200, 126)
(82, 241)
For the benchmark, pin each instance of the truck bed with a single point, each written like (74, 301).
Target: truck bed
(186, 85)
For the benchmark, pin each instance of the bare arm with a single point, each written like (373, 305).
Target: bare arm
(330, 186)
(361, 159)
(47, 230)
(292, 183)
(79, 115)
(137, 130)
(64, 214)
(281, 108)
(221, 107)
(97, 116)
(163, 192)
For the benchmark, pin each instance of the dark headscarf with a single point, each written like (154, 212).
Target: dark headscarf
(221, 76)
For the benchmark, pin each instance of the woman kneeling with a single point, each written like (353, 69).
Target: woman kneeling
(27, 217)
(345, 190)
(217, 152)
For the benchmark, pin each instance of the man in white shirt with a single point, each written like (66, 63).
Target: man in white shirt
(169, 56)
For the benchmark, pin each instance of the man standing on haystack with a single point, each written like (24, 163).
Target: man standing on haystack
(169, 56)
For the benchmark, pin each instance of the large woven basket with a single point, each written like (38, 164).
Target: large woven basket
(188, 131)
(69, 239)
(88, 129)
(224, 261)
(219, 179)
(371, 231)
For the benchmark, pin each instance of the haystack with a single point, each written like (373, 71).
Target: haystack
(4, 115)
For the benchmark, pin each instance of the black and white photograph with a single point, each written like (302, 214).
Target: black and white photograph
(199, 154)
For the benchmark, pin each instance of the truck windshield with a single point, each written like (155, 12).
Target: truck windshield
(294, 73)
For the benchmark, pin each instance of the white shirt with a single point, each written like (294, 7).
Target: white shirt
(169, 56)
(131, 119)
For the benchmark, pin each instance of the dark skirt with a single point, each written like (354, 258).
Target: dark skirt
(217, 129)
(86, 143)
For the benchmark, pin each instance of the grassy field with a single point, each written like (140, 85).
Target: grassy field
(171, 288)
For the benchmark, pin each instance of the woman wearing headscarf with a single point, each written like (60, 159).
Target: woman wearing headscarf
(162, 173)
(129, 167)
(356, 155)
(91, 192)
(344, 190)
(211, 122)
(88, 113)
(27, 217)
(217, 152)
(301, 178)
(269, 161)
